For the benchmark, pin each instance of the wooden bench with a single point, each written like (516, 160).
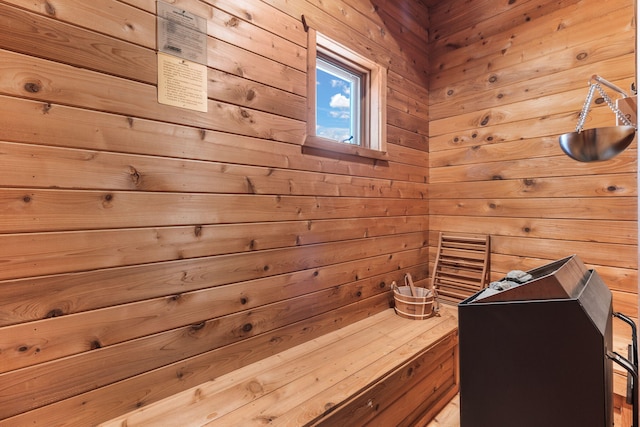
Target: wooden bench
(384, 370)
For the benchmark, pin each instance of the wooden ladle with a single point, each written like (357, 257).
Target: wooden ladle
(409, 281)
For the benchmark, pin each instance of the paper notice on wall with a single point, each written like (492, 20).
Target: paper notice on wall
(182, 83)
(182, 33)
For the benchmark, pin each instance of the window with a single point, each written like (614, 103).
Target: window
(346, 100)
(338, 101)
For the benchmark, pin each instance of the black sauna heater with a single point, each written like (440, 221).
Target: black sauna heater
(540, 354)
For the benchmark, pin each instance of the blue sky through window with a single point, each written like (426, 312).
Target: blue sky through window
(334, 109)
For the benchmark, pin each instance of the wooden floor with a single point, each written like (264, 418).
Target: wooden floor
(450, 414)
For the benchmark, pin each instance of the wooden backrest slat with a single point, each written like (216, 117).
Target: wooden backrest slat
(458, 279)
(462, 245)
(453, 263)
(458, 285)
(462, 238)
(462, 261)
(473, 275)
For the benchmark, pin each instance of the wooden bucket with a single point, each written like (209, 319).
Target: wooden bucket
(413, 307)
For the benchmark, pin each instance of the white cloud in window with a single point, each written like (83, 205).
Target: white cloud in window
(337, 134)
(340, 114)
(339, 101)
(346, 88)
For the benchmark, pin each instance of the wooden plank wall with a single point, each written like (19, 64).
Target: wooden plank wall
(145, 248)
(507, 78)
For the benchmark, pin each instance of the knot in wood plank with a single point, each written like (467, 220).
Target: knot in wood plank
(255, 387)
(32, 87)
(56, 312)
(49, 9)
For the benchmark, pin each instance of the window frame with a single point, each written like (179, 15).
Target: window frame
(373, 98)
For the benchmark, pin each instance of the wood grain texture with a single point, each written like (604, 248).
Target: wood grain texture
(506, 80)
(134, 228)
(107, 402)
(148, 248)
(333, 380)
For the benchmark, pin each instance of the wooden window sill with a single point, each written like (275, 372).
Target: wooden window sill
(343, 148)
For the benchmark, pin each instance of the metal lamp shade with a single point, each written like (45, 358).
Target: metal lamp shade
(597, 144)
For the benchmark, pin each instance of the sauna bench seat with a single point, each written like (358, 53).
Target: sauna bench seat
(384, 370)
